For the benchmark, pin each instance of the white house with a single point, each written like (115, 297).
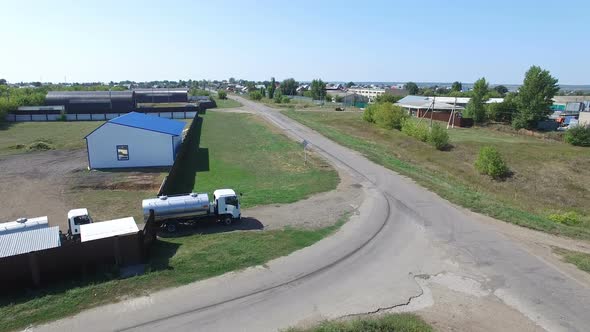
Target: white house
(134, 140)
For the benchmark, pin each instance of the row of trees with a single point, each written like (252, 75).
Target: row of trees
(456, 90)
(523, 109)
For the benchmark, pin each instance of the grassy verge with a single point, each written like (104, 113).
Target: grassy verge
(391, 322)
(16, 137)
(549, 177)
(243, 152)
(226, 103)
(579, 259)
(176, 261)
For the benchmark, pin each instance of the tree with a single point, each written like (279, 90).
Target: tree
(2, 81)
(412, 88)
(350, 84)
(289, 87)
(534, 98)
(232, 80)
(502, 90)
(271, 88)
(255, 95)
(387, 98)
(222, 94)
(457, 86)
(476, 107)
(318, 89)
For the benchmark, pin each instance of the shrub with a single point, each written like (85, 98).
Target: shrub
(490, 162)
(338, 98)
(199, 92)
(368, 114)
(389, 116)
(222, 94)
(439, 137)
(578, 135)
(415, 129)
(255, 95)
(39, 146)
(285, 100)
(568, 218)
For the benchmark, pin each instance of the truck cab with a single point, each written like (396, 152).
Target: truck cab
(76, 218)
(227, 205)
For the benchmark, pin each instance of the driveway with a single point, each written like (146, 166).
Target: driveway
(406, 249)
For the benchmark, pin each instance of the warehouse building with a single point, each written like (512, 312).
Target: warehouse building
(92, 101)
(162, 95)
(134, 140)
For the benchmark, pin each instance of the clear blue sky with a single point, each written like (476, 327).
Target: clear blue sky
(426, 40)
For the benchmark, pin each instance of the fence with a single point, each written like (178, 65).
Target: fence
(29, 116)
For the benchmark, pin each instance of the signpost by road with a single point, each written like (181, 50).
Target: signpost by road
(305, 143)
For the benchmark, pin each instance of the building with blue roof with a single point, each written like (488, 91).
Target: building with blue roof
(134, 140)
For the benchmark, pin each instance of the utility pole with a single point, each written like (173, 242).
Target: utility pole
(432, 112)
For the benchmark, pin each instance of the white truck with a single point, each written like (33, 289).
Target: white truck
(170, 210)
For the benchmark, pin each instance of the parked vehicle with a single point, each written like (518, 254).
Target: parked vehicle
(170, 210)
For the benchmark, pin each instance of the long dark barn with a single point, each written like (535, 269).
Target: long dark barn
(161, 95)
(92, 101)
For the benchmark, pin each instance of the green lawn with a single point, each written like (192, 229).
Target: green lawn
(549, 177)
(385, 323)
(226, 103)
(242, 152)
(176, 261)
(579, 259)
(16, 137)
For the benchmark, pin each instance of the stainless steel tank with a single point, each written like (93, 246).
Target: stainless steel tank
(177, 207)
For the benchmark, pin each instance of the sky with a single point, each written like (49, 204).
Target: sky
(389, 41)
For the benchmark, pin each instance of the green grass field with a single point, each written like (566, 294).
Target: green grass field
(60, 135)
(385, 323)
(226, 103)
(242, 152)
(579, 259)
(549, 177)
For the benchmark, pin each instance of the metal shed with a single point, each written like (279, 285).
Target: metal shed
(161, 95)
(134, 140)
(92, 101)
(18, 243)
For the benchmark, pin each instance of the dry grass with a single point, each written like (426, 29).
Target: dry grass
(549, 176)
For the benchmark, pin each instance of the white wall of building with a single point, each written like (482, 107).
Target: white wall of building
(146, 148)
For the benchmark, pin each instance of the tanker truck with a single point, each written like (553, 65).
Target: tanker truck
(171, 210)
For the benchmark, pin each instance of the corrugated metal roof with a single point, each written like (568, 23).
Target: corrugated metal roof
(104, 229)
(150, 122)
(89, 95)
(28, 241)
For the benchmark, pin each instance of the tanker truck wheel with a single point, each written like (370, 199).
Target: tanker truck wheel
(227, 220)
(171, 227)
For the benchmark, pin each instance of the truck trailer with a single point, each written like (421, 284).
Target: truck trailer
(170, 210)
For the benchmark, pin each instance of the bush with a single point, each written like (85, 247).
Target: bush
(338, 98)
(417, 130)
(199, 92)
(328, 98)
(39, 146)
(222, 94)
(285, 100)
(439, 137)
(389, 116)
(255, 95)
(578, 135)
(568, 218)
(490, 162)
(368, 114)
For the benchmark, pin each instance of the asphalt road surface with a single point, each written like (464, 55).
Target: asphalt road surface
(378, 261)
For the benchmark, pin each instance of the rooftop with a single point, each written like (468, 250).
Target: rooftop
(18, 243)
(150, 122)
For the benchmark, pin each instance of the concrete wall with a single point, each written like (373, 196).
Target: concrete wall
(584, 119)
(146, 148)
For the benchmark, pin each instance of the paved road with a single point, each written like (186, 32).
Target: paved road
(402, 233)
